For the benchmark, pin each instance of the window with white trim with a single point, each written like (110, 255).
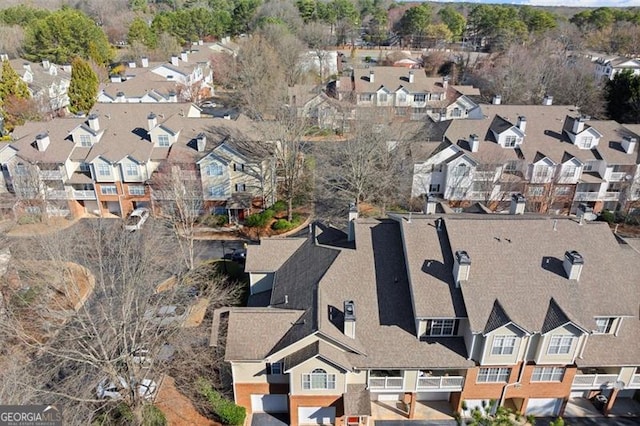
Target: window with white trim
(131, 169)
(457, 112)
(510, 141)
(275, 368)
(104, 169)
(136, 190)
(562, 190)
(585, 142)
(604, 325)
(569, 171)
(85, 167)
(511, 166)
(365, 97)
(493, 375)
(238, 167)
(318, 379)
(382, 97)
(503, 345)
(402, 97)
(547, 374)
(108, 190)
(461, 170)
(163, 140)
(241, 187)
(535, 191)
(213, 169)
(560, 345)
(85, 140)
(590, 166)
(420, 98)
(441, 327)
(216, 191)
(541, 171)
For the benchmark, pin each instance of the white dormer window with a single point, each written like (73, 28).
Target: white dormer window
(560, 345)
(456, 112)
(85, 167)
(585, 142)
(104, 170)
(163, 140)
(85, 140)
(503, 345)
(382, 97)
(213, 170)
(541, 171)
(441, 327)
(420, 98)
(569, 171)
(510, 141)
(131, 169)
(604, 325)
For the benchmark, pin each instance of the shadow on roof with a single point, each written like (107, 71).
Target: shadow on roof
(392, 284)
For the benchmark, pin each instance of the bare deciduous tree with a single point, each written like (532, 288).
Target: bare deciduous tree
(93, 307)
(318, 37)
(178, 194)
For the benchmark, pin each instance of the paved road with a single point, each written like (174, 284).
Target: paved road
(215, 249)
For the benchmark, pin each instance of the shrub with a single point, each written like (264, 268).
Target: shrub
(28, 219)
(259, 220)
(607, 216)
(214, 220)
(281, 225)
(153, 416)
(279, 206)
(228, 412)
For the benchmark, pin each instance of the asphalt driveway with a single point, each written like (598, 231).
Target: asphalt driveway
(266, 419)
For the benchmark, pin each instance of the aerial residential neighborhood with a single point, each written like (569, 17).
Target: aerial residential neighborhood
(320, 212)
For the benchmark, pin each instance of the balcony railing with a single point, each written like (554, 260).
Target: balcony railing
(50, 174)
(616, 176)
(83, 195)
(386, 382)
(590, 381)
(586, 196)
(441, 382)
(56, 194)
(611, 196)
(635, 381)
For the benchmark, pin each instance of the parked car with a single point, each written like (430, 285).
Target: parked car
(108, 390)
(208, 104)
(136, 219)
(237, 255)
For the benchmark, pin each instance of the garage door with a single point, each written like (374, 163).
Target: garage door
(433, 396)
(388, 397)
(544, 406)
(316, 415)
(269, 403)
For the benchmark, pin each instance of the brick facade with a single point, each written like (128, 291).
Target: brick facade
(243, 392)
(519, 395)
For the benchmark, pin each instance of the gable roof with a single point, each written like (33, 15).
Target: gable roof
(317, 349)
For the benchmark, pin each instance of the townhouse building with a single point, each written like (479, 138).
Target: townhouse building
(556, 157)
(187, 77)
(404, 94)
(429, 309)
(104, 163)
(607, 68)
(48, 82)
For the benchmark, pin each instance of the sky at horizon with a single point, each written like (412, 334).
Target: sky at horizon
(567, 3)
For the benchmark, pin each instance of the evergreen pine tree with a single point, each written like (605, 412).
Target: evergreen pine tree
(83, 89)
(11, 84)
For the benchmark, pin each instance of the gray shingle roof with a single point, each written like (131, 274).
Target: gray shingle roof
(319, 349)
(543, 135)
(512, 257)
(357, 400)
(270, 254)
(497, 318)
(253, 332)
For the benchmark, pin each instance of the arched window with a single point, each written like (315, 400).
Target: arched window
(318, 379)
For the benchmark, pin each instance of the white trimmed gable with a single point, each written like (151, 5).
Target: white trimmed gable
(83, 136)
(163, 137)
(509, 138)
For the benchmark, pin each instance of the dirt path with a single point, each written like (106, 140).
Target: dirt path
(177, 408)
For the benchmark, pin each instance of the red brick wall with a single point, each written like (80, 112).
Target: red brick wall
(526, 390)
(243, 392)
